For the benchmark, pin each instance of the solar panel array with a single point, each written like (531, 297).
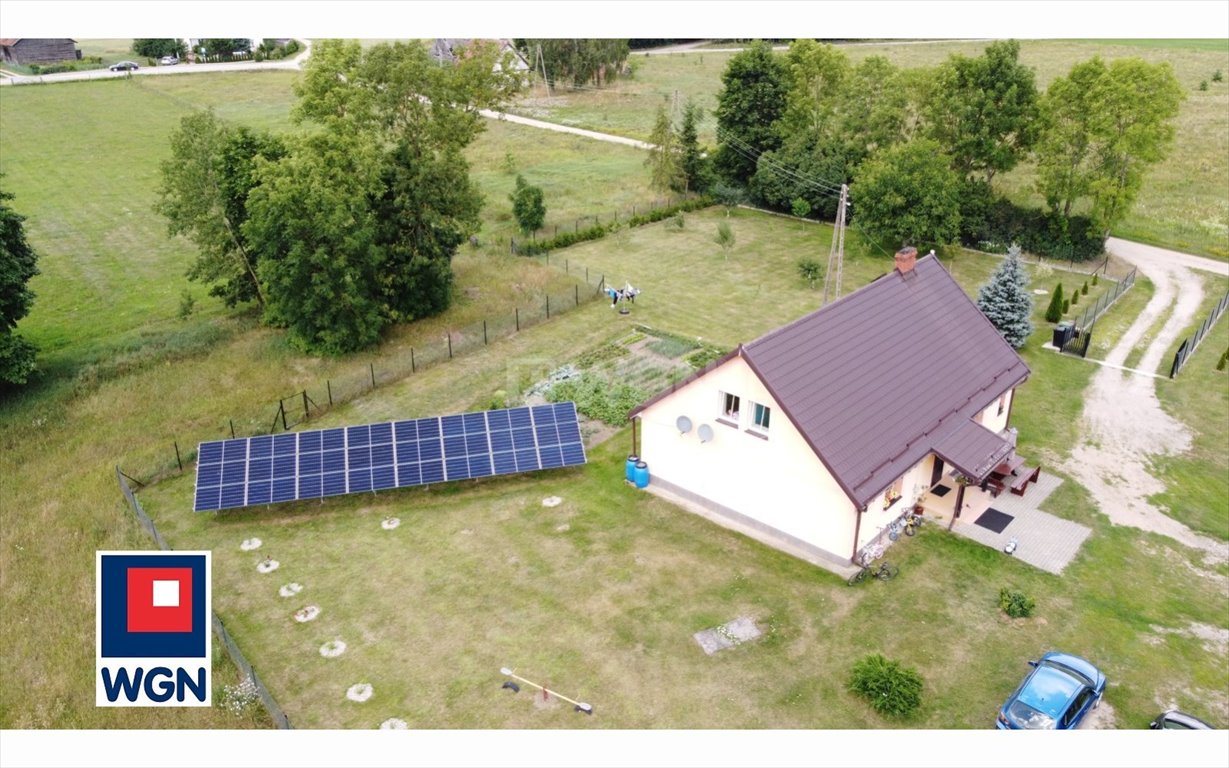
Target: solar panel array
(394, 454)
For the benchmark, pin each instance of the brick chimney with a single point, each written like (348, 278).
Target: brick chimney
(905, 259)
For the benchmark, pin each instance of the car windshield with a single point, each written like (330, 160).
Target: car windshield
(1026, 717)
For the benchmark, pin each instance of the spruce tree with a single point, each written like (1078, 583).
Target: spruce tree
(1005, 300)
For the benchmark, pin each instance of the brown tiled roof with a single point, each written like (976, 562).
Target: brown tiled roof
(889, 373)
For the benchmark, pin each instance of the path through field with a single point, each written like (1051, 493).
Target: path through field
(1123, 423)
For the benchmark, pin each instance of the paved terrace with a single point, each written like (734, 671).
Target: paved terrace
(1043, 540)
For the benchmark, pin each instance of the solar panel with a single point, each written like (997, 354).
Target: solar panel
(269, 469)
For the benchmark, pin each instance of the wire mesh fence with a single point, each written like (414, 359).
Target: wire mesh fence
(246, 671)
(1104, 301)
(394, 364)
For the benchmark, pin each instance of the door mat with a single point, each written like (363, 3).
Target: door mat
(994, 520)
(940, 490)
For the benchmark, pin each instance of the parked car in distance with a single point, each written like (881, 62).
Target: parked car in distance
(1173, 720)
(168, 60)
(1056, 695)
(124, 66)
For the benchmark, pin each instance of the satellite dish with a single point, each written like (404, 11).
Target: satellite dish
(684, 424)
(705, 432)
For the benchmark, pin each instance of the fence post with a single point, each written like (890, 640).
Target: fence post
(449, 335)
(329, 385)
(178, 460)
(484, 341)
(576, 288)
(601, 285)
(556, 230)
(412, 368)
(306, 413)
(567, 267)
(232, 429)
(548, 306)
(281, 406)
(586, 275)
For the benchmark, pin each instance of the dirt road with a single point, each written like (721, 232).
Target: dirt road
(1124, 427)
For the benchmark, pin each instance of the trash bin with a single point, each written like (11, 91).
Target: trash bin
(1063, 333)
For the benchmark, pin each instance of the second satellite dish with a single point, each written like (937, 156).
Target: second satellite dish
(705, 432)
(684, 425)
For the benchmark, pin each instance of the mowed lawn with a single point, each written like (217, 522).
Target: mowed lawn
(1185, 200)
(599, 596)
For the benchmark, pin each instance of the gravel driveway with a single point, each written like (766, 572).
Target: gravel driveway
(1123, 426)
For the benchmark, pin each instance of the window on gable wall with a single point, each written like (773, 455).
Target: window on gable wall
(1002, 404)
(762, 414)
(730, 405)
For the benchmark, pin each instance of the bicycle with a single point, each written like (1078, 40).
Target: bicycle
(914, 521)
(883, 571)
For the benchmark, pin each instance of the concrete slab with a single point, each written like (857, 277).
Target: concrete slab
(727, 635)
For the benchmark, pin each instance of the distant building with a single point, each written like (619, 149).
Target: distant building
(447, 50)
(34, 50)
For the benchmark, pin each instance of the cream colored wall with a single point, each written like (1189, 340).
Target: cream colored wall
(990, 417)
(877, 518)
(779, 481)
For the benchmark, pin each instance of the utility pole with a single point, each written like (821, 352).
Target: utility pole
(542, 63)
(836, 254)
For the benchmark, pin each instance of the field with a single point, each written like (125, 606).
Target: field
(598, 596)
(1185, 200)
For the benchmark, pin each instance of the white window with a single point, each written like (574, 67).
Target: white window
(893, 493)
(730, 405)
(762, 415)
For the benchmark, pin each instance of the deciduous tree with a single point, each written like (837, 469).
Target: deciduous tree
(752, 99)
(18, 263)
(576, 60)
(983, 111)
(908, 193)
(663, 160)
(528, 206)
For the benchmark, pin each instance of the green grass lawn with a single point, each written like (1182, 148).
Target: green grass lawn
(1185, 200)
(599, 596)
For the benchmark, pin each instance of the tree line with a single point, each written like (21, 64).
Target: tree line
(921, 148)
(351, 223)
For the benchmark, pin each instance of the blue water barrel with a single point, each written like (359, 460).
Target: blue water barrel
(629, 470)
(641, 475)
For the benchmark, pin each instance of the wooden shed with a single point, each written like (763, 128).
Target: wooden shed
(37, 50)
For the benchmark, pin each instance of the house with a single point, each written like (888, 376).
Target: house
(446, 51)
(33, 50)
(816, 436)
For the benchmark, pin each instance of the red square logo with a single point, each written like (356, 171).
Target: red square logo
(159, 599)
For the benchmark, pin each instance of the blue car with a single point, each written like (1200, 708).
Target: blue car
(1057, 694)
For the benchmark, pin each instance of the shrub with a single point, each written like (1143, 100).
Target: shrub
(1217, 76)
(1066, 306)
(677, 222)
(1224, 360)
(1094, 279)
(1075, 297)
(799, 207)
(891, 689)
(187, 303)
(1055, 311)
(1203, 85)
(1039, 232)
(810, 270)
(1016, 604)
(1084, 290)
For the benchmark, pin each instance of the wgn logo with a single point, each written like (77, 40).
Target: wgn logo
(153, 629)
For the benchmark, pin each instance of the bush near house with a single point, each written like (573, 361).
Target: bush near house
(1057, 307)
(1016, 604)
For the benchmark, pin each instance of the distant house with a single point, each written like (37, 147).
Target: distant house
(447, 50)
(35, 50)
(815, 436)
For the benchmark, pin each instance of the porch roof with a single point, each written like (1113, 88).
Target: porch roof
(973, 450)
